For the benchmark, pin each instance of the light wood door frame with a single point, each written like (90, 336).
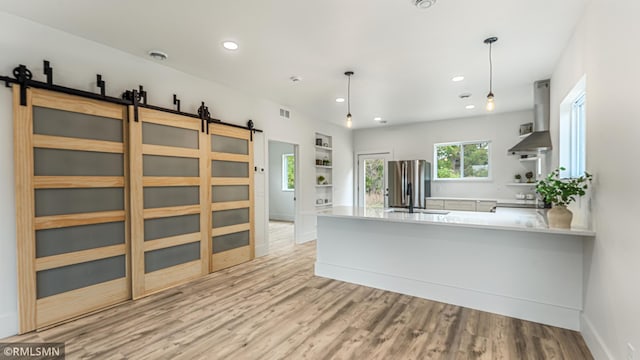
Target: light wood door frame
(243, 254)
(145, 284)
(38, 313)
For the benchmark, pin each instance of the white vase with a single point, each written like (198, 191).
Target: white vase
(559, 217)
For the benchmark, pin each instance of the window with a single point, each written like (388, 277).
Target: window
(572, 132)
(462, 160)
(288, 172)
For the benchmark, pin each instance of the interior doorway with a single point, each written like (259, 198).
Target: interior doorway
(283, 177)
(372, 179)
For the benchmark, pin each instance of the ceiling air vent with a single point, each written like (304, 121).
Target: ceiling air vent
(285, 114)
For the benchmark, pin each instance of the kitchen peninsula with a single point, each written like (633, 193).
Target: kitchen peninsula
(508, 262)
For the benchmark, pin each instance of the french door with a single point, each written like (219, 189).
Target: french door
(372, 179)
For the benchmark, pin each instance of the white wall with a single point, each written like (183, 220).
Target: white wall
(281, 205)
(605, 48)
(76, 61)
(416, 142)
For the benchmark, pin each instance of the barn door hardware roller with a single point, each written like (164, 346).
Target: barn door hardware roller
(205, 117)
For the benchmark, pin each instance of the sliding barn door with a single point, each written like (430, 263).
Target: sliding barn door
(169, 200)
(71, 202)
(231, 196)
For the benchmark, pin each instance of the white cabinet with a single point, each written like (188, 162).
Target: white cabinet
(460, 205)
(485, 206)
(324, 170)
(434, 204)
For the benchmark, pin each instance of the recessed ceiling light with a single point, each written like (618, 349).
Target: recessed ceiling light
(158, 55)
(230, 45)
(295, 79)
(457, 78)
(339, 100)
(377, 118)
(469, 107)
(464, 95)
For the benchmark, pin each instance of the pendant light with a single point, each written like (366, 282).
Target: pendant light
(491, 105)
(349, 122)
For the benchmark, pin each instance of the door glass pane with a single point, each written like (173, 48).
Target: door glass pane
(374, 183)
(73, 201)
(230, 241)
(225, 144)
(57, 162)
(165, 196)
(55, 281)
(222, 193)
(230, 217)
(76, 238)
(156, 165)
(172, 256)
(169, 136)
(69, 124)
(220, 168)
(171, 226)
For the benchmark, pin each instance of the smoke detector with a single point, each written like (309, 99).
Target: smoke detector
(158, 55)
(423, 4)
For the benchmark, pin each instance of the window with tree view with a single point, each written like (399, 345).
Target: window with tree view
(462, 160)
(288, 172)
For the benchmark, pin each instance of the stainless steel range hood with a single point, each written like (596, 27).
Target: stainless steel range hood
(539, 139)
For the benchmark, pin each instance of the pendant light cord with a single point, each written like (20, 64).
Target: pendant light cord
(349, 95)
(490, 70)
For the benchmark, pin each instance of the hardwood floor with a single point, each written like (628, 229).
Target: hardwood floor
(280, 236)
(274, 308)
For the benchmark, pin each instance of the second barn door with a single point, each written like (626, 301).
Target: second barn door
(169, 200)
(232, 234)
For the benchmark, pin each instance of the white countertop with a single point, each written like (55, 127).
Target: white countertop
(528, 220)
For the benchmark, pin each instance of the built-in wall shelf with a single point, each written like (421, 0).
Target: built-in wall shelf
(324, 170)
(522, 184)
(530, 158)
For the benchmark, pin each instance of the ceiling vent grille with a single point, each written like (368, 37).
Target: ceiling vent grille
(285, 114)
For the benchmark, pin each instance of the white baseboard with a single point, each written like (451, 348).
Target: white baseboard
(560, 316)
(306, 237)
(8, 325)
(595, 343)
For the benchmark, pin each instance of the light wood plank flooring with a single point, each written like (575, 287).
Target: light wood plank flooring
(280, 236)
(274, 308)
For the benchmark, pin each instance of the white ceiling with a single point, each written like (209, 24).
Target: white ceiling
(403, 57)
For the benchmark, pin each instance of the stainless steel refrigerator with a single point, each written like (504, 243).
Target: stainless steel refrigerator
(409, 179)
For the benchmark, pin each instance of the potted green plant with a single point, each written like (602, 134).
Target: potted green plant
(529, 176)
(321, 180)
(559, 193)
(517, 178)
